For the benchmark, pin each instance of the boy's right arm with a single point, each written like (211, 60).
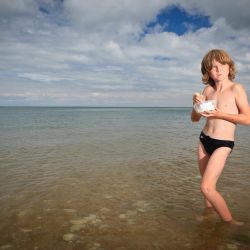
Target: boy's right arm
(197, 98)
(195, 117)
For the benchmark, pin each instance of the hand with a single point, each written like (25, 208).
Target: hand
(216, 113)
(198, 98)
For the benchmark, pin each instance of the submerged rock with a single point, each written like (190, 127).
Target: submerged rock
(78, 222)
(141, 206)
(103, 226)
(91, 219)
(6, 247)
(26, 230)
(104, 210)
(131, 222)
(76, 228)
(68, 237)
(122, 216)
(232, 247)
(141, 210)
(131, 213)
(107, 196)
(93, 246)
(69, 210)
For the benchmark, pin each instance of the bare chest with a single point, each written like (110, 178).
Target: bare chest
(225, 101)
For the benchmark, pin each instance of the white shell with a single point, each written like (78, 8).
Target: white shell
(205, 106)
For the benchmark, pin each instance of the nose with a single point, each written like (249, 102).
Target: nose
(218, 68)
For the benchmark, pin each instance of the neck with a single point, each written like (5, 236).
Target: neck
(221, 85)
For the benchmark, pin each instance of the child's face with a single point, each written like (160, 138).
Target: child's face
(219, 71)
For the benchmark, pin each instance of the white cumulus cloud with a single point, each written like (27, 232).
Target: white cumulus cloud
(93, 52)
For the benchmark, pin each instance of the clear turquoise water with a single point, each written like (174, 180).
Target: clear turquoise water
(112, 178)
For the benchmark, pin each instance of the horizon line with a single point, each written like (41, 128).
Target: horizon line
(76, 106)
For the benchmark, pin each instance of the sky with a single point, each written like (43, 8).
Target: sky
(116, 52)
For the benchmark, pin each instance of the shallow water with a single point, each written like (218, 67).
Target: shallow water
(113, 178)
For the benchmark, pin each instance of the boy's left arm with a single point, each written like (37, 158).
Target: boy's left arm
(242, 104)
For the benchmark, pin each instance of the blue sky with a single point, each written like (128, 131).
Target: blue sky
(123, 53)
(176, 19)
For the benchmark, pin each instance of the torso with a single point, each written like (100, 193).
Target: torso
(218, 128)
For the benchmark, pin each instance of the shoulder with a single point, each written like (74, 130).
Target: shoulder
(208, 89)
(238, 88)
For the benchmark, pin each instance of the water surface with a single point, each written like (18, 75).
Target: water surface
(113, 178)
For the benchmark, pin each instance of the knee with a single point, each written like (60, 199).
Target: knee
(206, 188)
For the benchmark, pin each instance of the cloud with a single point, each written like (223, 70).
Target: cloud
(235, 13)
(41, 77)
(72, 53)
(130, 16)
(121, 17)
(14, 8)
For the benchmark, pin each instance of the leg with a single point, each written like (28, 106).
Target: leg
(203, 158)
(212, 172)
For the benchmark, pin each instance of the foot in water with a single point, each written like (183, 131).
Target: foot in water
(235, 223)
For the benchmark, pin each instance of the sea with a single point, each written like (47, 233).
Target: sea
(114, 178)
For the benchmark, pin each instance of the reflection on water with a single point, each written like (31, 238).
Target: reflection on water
(112, 179)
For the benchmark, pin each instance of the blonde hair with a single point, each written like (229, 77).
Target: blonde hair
(222, 57)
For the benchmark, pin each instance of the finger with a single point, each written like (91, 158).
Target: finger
(204, 114)
(197, 99)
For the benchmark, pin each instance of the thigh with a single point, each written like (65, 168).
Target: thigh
(203, 158)
(215, 165)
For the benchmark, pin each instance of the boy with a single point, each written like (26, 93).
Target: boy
(217, 137)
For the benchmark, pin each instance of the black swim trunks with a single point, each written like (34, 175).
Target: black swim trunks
(211, 144)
